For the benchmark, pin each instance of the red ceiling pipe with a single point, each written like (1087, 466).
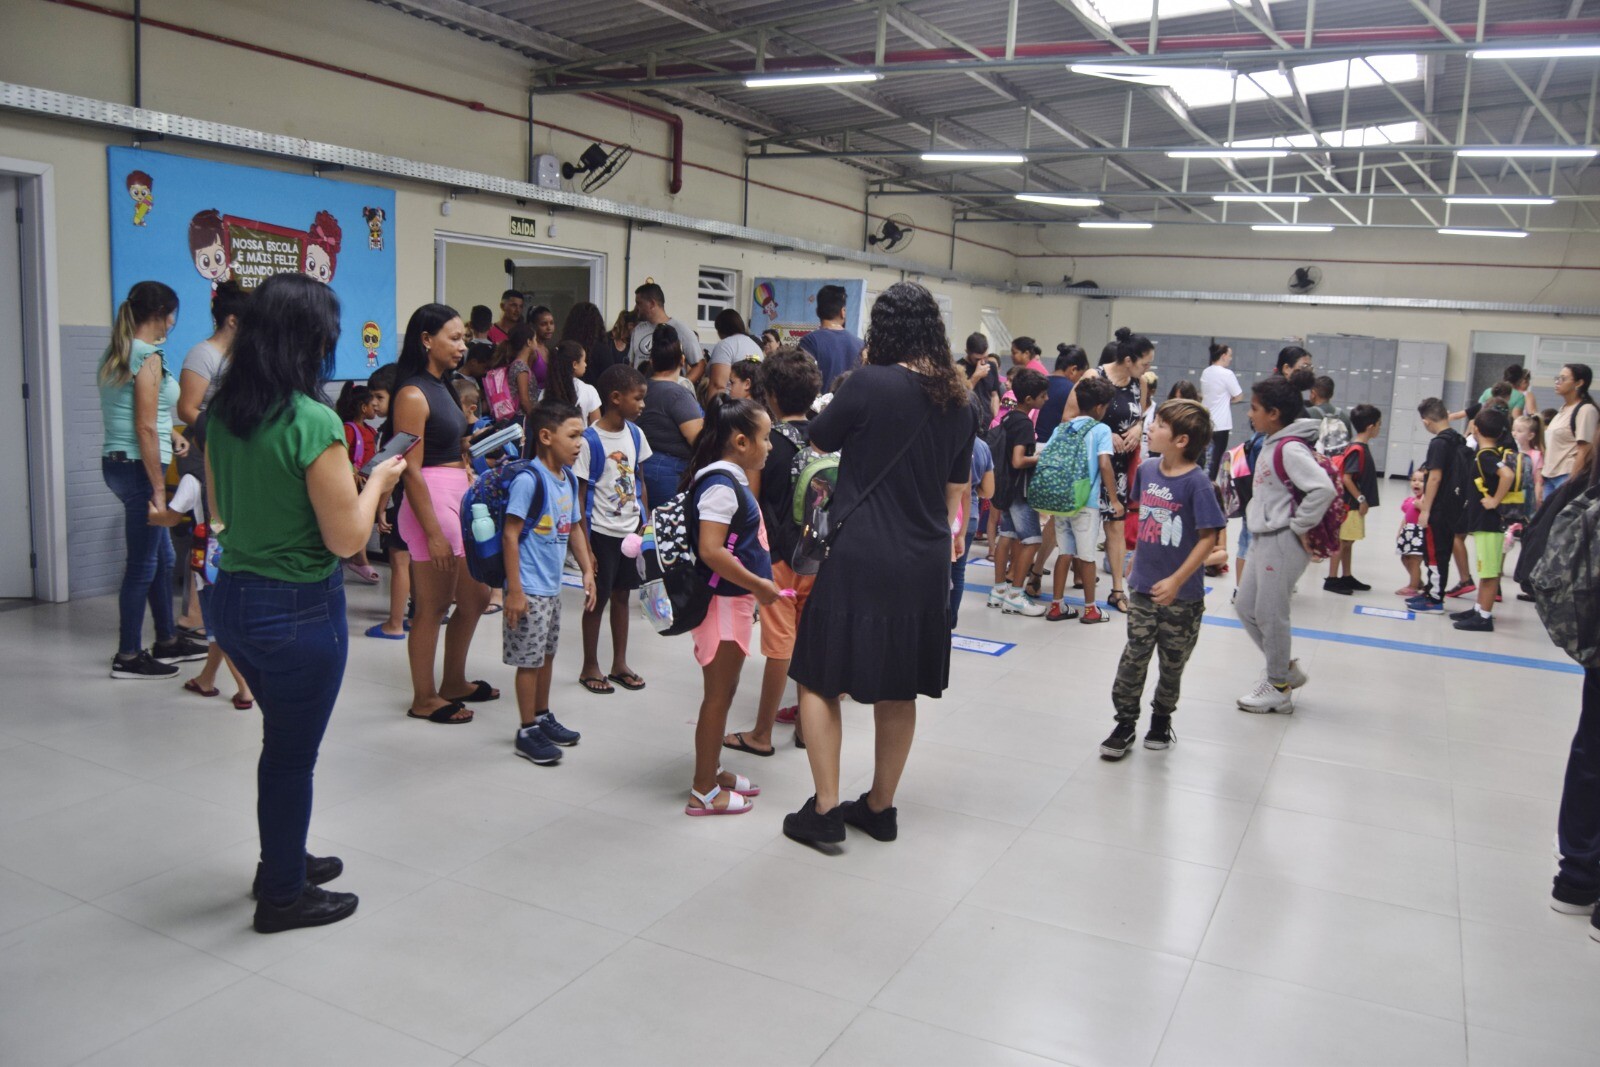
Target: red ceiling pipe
(674, 124)
(1374, 35)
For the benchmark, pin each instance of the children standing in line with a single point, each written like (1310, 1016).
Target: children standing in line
(1020, 532)
(732, 546)
(1283, 509)
(1178, 524)
(1359, 483)
(614, 506)
(1078, 534)
(1408, 543)
(1493, 477)
(1439, 513)
(542, 515)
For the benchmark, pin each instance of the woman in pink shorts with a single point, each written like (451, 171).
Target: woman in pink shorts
(733, 548)
(430, 516)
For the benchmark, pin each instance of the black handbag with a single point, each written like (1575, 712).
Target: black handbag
(822, 527)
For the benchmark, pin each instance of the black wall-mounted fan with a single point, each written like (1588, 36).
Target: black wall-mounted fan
(1304, 280)
(597, 165)
(895, 234)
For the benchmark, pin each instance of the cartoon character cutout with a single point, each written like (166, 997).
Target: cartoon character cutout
(768, 299)
(371, 338)
(624, 486)
(375, 217)
(141, 187)
(322, 248)
(209, 245)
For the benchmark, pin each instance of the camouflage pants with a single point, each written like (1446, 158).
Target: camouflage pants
(1171, 631)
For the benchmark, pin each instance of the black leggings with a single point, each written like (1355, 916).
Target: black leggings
(1219, 446)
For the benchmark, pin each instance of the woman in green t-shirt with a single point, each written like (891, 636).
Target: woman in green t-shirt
(287, 511)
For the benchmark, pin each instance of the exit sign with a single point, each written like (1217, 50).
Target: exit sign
(521, 227)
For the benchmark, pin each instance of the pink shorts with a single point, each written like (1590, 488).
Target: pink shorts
(446, 487)
(729, 618)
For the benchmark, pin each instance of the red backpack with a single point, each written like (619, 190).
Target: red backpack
(1323, 538)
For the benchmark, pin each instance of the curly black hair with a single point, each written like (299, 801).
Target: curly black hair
(907, 328)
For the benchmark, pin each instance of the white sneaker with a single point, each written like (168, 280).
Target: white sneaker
(1019, 603)
(997, 596)
(1266, 698)
(1297, 676)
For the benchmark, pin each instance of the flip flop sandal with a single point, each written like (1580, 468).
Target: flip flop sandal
(742, 785)
(482, 692)
(241, 704)
(193, 633)
(1119, 600)
(376, 630)
(597, 686)
(741, 745)
(493, 609)
(737, 805)
(193, 686)
(444, 716)
(630, 681)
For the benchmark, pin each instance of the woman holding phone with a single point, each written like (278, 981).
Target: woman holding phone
(286, 512)
(430, 517)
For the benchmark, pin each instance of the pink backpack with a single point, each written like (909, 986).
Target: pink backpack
(502, 398)
(1323, 538)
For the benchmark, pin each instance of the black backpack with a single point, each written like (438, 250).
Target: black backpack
(1009, 484)
(1458, 486)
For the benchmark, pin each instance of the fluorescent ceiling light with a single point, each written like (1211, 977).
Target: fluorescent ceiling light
(1548, 51)
(1458, 231)
(974, 157)
(1516, 152)
(1110, 13)
(1106, 224)
(1141, 73)
(1217, 88)
(1357, 137)
(1060, 201)
(838, 77)
(1290, 227)
(1227, 153)
(1261, 198)
(1507, 201)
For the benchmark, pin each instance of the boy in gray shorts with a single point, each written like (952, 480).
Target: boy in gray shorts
(542, 515)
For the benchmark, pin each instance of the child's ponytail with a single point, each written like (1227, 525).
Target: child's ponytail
(725, 419)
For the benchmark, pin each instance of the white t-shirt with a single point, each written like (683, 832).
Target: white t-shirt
(720, 503)
(206, 360)
(1218, 387)
(731, 350)
(639, 346)
(588, 398)
(616, 495)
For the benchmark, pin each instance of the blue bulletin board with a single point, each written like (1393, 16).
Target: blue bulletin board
(789, 305)
(192, 223)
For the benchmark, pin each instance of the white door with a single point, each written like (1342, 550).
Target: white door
(16, 536)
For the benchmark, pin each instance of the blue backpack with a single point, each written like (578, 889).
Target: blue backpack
(485, 562)
(1064, 477)
(597, 462)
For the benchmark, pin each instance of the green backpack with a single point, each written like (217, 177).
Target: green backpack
(1064, 478)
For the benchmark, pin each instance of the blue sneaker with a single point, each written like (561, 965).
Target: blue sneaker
(555, 732)
(1424, 603)
(535, 747)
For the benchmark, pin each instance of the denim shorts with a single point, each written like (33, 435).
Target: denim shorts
(1079, 535)
(1020, 522)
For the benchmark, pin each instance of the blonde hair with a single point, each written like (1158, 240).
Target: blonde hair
(1537, 425)
(146, 302)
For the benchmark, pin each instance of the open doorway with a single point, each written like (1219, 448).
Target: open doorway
(476, 270)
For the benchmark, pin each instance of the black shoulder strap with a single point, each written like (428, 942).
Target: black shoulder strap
(905, 447)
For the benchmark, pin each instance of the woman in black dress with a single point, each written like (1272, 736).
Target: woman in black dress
(876, 625)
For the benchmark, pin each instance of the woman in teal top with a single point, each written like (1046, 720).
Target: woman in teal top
(287, 512)
(137, 393)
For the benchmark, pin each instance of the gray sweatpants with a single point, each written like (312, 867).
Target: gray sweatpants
(1276, 562)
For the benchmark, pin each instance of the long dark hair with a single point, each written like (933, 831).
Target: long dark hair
(284, 348)
(352, 398)
(586, 326)
(906, 328)
(413, 358)
(558, 384)
(1584, 377)
(507, 351)
(725, 419)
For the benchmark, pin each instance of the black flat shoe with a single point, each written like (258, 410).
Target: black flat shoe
(879, 825)
(313, 907)
(319, 871)
(809, 828)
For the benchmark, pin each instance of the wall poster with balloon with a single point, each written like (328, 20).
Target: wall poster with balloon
(789, 306)
(193, 224)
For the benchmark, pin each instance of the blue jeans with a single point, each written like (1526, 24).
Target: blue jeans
(290, 641)
(147, 577)
(1554, 482)
(660, 474)
(1579, 821)
(958, 578)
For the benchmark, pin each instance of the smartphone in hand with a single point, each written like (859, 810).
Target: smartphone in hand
(399, 445)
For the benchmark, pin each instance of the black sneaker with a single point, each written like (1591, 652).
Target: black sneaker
(1355, 583)
(319, 871)
(178, 650)
(1460, 616)
(1479, 623)
(879, 825)
(1572, 902)
(810, 828)
(1116, 746)
(313, 907)
(1161, 734)
(141, 668)
(1337, 585)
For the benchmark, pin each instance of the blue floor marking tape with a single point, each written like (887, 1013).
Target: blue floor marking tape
(1528, 662)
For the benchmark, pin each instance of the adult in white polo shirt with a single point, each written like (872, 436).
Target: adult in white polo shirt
(650, 306)
(1219, 391)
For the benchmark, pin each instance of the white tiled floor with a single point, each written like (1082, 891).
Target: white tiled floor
(1364, 882)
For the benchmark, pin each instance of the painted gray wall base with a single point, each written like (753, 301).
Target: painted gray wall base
(95, 547)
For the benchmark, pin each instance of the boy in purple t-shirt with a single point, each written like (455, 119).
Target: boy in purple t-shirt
(1179, 520)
